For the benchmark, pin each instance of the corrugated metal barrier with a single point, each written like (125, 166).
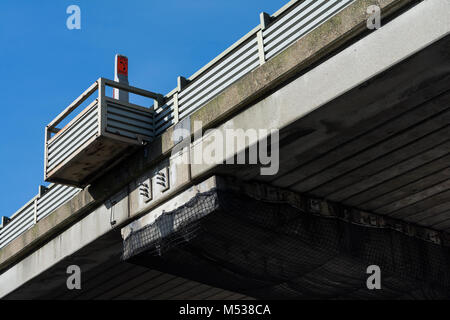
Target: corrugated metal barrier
(36, 209)
(81, 130)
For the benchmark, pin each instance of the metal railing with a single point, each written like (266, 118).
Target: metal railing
(274, 34)
(105, 127)
(34, 210)
(104, 115)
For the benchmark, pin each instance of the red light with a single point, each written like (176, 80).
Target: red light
(122, 65)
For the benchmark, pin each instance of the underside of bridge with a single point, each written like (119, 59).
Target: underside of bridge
(247, 241)
(110, 278)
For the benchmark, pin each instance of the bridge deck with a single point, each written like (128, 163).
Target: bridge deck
(363, 120)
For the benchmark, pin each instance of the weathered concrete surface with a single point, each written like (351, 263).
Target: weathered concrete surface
(66, 214)
(347, 25)
(88, 229)
(297, 58)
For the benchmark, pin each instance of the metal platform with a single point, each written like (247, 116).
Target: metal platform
(98, 136)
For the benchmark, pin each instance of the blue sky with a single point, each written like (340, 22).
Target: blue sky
(45, 66)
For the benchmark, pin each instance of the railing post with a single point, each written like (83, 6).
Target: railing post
(4, 221)
(159, 101)
(176, 111)
(41, 192)
(121, 76)
(101, 106)
(35, 210)
(181, 83)
(46, 138)
(264, 22)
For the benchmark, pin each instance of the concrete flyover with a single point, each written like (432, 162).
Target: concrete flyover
(363, 179)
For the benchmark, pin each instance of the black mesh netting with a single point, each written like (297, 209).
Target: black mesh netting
(171, 228)
(275, 250)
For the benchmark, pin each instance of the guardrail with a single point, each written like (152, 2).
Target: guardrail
(101, 132)
(40, 206)
(274, 34)
(270, 37)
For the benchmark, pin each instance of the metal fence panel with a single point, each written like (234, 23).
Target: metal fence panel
(164, 117)
(128, 121)
(54, 198)
(73, 137)
(216, 79)
(20, 223)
